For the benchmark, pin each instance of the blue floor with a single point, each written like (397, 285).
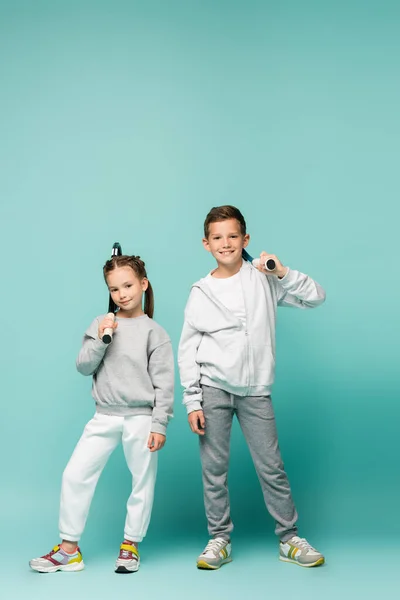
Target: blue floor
(354, 569)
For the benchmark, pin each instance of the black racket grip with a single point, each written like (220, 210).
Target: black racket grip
(108, 332)
(269, 264)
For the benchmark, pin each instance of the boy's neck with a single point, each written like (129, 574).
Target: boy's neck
(225, 271)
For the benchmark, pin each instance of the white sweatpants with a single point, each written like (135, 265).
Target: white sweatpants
(100, 437)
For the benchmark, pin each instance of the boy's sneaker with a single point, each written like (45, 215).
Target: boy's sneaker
(128, 560)
(58, 560)
(216, 553)
(299, 551)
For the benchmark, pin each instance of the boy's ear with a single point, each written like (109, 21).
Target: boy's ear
(246, 240)
(206, 244)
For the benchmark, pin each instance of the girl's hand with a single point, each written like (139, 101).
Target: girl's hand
(280, 271)
(156, 441)
(106, 323)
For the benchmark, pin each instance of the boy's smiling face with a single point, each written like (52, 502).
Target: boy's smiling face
(225, 241)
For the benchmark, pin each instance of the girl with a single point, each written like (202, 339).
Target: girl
(133, 391)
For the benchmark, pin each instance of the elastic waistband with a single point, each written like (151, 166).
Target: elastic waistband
(124, 411)
(253, 390)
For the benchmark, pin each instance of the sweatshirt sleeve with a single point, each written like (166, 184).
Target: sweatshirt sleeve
(161, 371)
(92, 352)
(299, 290)
(189, 369)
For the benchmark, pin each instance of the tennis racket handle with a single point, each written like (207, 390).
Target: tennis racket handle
(269, 264)
(108, 332)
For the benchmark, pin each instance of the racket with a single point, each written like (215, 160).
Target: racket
(269, 265)
(112, 308)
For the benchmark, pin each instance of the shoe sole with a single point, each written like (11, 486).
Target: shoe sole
(202, 564)
(72, 568)
(317, 563)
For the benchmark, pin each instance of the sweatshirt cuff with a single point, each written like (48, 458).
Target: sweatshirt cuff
(99, 345)
(193, 405)
(157, 427)
(287, 281)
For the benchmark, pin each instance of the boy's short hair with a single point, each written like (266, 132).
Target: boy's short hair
(223, 213)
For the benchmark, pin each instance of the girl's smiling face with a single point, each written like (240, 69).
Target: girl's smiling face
(127, 290)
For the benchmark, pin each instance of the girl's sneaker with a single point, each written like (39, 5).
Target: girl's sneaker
(58, 560)
(128, 560)
(216, 553)
(299, 551)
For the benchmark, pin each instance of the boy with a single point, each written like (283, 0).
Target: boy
(226, 361)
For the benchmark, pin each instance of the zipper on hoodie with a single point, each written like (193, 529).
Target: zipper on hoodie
(246, 333)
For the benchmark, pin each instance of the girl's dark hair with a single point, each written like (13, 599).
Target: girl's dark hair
(223, 213)
(138, 267)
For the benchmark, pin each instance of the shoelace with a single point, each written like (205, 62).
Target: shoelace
(60, 549)
(214, 545)
(126, 553)
(53, 551)
(302, 543)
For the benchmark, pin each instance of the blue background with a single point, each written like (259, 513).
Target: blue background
(128, 121)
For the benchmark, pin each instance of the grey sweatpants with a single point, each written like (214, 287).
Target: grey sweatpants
(257, 421)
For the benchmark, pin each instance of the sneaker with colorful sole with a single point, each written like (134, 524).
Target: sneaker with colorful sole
(58, 560)
(128, 560)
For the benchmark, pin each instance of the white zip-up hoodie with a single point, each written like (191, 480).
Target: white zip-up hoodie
(218, 350)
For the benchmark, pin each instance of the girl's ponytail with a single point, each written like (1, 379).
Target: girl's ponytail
(149, 301)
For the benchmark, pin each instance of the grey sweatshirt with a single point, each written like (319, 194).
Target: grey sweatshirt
(134, 375)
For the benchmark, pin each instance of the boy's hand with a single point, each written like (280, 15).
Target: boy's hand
(197, 422)
(105, 323)
(280, 271)
(156, 441)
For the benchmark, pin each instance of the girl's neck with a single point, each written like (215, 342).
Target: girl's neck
(130, 314)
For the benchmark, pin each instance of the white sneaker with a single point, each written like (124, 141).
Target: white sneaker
(216, 553)
(299, 551)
